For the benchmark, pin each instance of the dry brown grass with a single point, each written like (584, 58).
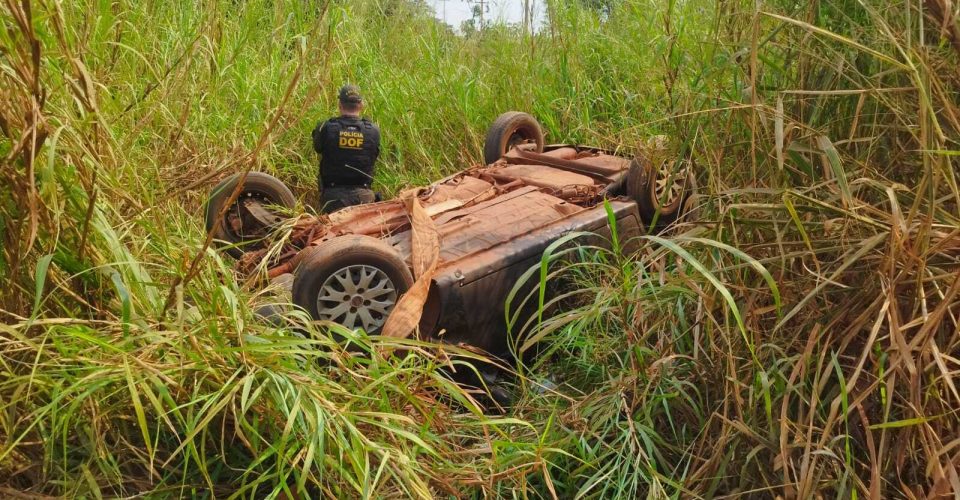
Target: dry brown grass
(828, 136)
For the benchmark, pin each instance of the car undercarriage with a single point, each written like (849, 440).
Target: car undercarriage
(490, 222)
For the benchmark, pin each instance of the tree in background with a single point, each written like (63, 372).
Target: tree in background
(602, 7)
(477, 22)
(529, 7)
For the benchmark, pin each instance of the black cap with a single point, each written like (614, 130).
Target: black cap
(350, 94)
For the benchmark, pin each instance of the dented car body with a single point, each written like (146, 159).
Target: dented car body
(491, 223)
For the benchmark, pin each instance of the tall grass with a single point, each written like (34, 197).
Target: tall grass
(800, 340)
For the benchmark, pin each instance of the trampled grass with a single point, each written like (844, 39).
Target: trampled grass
(801, 339)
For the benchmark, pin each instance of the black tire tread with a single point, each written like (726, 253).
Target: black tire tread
(260, 182)
(501, 130)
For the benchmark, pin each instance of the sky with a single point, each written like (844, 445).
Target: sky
(507, 11)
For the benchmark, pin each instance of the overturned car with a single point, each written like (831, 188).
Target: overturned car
(483, 227)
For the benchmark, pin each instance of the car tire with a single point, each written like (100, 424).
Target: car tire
(264, 187)
(646, 184)
(352, 280)
(508, 130)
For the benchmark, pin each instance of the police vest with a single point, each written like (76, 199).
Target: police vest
(350, 147)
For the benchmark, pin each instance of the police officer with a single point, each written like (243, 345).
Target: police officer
(348, 146)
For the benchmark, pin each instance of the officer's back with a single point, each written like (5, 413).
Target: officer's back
(348, 146)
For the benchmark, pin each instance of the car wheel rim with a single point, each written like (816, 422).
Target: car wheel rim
(670, 183)
(357, 296)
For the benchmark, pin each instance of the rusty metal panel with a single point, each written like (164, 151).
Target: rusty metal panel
(547, 177)
(499, 223)
(468, 296)
(601, 166)
(463, 188)
(466, 231)
(607, 164)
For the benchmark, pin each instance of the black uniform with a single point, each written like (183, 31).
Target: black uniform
(348, 148)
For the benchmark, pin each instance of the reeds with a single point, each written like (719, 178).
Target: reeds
(800, 340)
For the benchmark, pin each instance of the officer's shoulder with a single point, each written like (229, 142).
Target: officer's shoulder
(369, 122)
(324, 123)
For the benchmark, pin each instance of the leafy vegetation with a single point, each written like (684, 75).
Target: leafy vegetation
(801, 339)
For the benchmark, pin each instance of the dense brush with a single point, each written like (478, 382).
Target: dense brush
(801, 339)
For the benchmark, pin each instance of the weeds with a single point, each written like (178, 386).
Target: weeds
(801, 340)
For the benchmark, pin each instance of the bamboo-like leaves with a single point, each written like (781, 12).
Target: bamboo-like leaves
(836, 167)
